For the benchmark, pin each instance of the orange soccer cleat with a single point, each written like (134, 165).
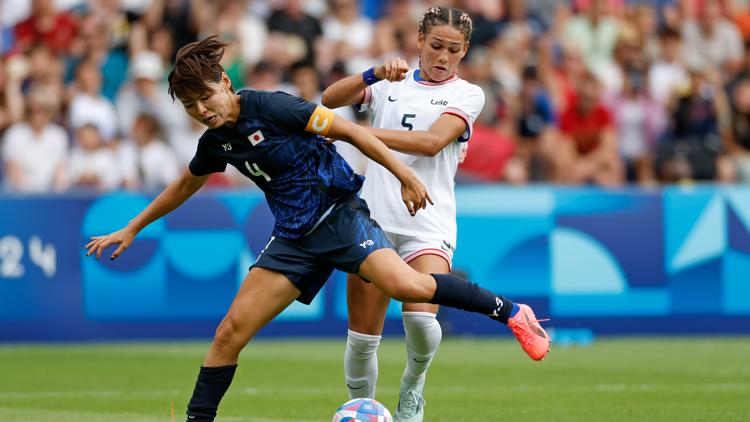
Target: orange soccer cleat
(534, 340)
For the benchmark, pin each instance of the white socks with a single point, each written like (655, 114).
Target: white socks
(423, 335)
(361, 364)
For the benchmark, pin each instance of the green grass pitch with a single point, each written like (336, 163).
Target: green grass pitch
(630, 379)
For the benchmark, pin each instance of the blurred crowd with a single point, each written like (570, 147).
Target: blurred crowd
(603, 92)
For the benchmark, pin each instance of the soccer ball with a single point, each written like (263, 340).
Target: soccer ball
(362, 410)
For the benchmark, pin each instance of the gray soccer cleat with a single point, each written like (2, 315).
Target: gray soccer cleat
(410, 405)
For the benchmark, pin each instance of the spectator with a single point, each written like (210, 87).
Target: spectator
(184, 17)
(11, 97)
(185, 143)
(595, 32)
(292, 21)
(738, 141)
(740, 16)
(396, 30)
(35, 150)
(644, 20)
(588, 151)
(519, 19)
(148, 160)
(145, 93)
(628, 56)
(562, 79)
(711, 40)
(45, 69)
(535, 125)
(246, 33)
(93, 165)
(692, 148)
(252, 33)
(46, 26)
(639, 122)
(487, 17)
(6, 39)
(490, 158)
(348, 35)
(267, 77)
(667, 74)
(478, 69)
(162, 42)
(121, 47)
(89, 106)
(11, 13)
(94, 44)
(304, 77)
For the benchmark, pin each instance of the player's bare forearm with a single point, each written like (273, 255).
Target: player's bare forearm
(174, 195)
(429, 143)
(413, 192)
(170, 198)
(370, 146)
(417, 142)
(346, 91)
(351, 90)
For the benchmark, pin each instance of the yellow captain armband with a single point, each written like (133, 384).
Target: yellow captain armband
(320, 122)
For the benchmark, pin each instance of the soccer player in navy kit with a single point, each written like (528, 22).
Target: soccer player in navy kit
(278, 141)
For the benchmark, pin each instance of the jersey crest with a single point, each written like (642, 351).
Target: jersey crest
(256, 137)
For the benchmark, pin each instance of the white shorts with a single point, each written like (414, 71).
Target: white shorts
(410, 247)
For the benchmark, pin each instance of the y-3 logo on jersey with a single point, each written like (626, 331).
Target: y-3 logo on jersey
(227, 147)
(439, 102)
(366, 243)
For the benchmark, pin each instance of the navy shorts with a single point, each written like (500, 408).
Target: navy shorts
(341, 241)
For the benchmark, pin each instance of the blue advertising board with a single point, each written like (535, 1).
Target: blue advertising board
(630, 261)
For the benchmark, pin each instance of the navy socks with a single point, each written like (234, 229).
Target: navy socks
(209, 389)
(456, 292)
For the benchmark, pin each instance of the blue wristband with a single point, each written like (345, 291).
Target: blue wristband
(368, 76)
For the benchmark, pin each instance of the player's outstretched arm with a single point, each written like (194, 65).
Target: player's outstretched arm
(172, 197)
(413, 192)
(351, 90)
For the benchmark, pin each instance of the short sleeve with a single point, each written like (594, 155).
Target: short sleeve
(288, 112)
(204, 163)
(373, 94)
(467, 105)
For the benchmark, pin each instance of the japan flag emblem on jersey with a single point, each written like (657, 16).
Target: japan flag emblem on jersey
(256, 137)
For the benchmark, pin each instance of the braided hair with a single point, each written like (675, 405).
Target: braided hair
(439, 15)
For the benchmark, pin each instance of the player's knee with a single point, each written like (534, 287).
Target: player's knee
(227, 334)
(362, 346)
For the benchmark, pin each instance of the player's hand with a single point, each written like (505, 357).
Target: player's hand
(392, 70)
(123, 237)
(414, 194)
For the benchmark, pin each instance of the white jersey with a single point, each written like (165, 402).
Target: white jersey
(414, 104)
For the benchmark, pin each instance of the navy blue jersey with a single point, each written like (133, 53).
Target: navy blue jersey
(275, 144)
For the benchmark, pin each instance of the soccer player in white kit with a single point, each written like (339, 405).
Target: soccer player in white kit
(426, 115)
